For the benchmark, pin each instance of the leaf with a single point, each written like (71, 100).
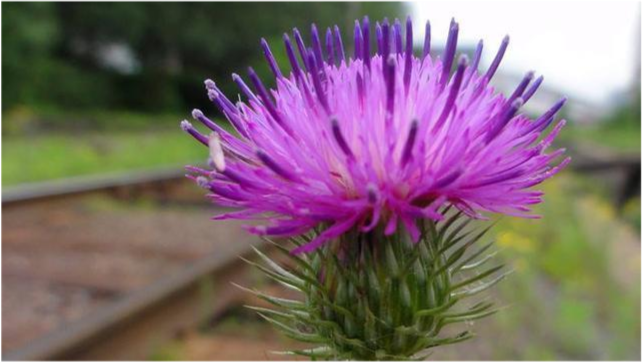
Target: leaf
(459, 338)
(276, 267)
(318, 352)
(480, 307)
(289, 314)
(279, 302)
(436, 310)
(469, 318)
(471, 241)
(295, 284)
(472, 257)
(300, 260)
(476, 278)
(294, 333)
(478, 263)
(448, 223)
(448, 240)
(482, 287)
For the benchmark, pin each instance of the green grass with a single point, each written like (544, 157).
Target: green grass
(619, 130)
(565, 290)
(24, 120)
(564, 300)
(53, 156)
(632, 213)
(619, 137)
(170, 351)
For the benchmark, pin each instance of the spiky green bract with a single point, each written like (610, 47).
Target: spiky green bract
(375, 297)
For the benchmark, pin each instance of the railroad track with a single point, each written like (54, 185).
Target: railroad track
(131, 327)
(95, 282)
(95, 279)
(159, 179)
(620, 171)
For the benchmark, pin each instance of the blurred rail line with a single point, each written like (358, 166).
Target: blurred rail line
(81, 283)
(133, 325)
(621, 171)
(160, 180)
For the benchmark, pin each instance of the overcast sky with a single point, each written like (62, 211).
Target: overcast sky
(586, 49)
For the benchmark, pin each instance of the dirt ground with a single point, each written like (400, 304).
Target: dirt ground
(236, 347)
(243, 336)
(61, 260)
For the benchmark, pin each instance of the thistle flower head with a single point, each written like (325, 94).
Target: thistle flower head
(380, 138)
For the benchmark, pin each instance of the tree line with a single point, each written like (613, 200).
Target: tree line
(148, 57)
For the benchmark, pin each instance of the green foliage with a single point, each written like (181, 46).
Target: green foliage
(29, 34)
(172, 351)
(632, 213)
(574, 319)
(54, 52)
(79, 87)
(42, 122)
(374, 297)
(628, 114)
(619, 130)
(569, 289)
(55, 156)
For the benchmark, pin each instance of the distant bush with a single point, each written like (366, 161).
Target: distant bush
(632, 213)
(149, 92)
(52, 51)
(30, 32)
(19, 119)
(626, 116)
(67, 86)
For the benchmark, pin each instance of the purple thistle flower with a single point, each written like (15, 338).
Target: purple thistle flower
(377, 139)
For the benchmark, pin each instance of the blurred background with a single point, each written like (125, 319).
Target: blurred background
(108, 253)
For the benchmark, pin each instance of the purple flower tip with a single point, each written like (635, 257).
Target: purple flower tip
(379, 139)
(185, 125)
(209, 84)
(517, 103)
(203, 182)
(463, 60)
(212, 95)
(196, 114)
